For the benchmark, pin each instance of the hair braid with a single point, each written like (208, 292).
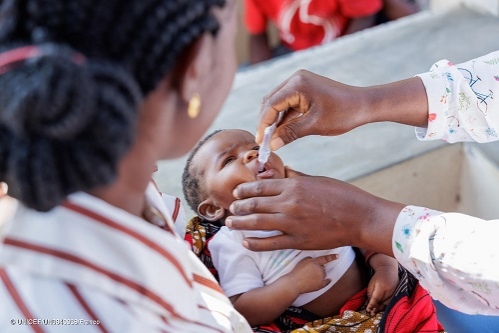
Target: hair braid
(89, 143)
(129, 24)
(176, 24)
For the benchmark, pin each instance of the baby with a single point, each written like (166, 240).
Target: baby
(262, 285)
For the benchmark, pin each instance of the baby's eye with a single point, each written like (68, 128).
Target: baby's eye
(228, 160)
(256, 148)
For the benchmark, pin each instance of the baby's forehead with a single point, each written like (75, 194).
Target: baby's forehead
(223, 141)
(232, 137)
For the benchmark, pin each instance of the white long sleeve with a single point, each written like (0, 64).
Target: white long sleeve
(463, 100)
(454, 256)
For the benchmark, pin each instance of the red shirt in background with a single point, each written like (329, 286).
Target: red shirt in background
(306, 23)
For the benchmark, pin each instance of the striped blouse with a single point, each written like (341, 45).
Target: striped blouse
(87, 266)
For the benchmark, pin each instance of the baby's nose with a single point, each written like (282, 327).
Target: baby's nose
(250, 155)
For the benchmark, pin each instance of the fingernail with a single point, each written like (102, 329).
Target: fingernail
(276, 143)
(235, 194)
(228, 222)
(246, 244)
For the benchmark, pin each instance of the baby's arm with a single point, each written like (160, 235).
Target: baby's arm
(383, 283)
(262, 305)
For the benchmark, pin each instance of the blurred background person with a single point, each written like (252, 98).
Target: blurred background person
(303, 23)
(395, 9)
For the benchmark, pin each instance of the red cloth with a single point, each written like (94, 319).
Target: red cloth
(408, 312)
(303, 24)
(412, 313)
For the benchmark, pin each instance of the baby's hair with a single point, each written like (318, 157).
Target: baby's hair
(64, 125)
(192, 178)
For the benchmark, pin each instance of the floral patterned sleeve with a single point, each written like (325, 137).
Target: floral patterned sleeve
(463, 100)
(454, 256)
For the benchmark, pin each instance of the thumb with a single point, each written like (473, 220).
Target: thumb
(290, 173)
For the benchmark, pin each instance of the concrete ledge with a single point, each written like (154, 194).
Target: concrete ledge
(479, 193)
(483, 6)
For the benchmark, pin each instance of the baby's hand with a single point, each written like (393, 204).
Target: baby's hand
(381, 287)
(309, 274)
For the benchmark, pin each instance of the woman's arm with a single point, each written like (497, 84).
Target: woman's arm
(259, 48)
(450, 102)
(316, 105)
(360, 23)
(395, 9)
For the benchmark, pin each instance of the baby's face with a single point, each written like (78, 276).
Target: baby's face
(230, 158)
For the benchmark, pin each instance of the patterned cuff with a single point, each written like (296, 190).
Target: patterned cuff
(405, 231)
(438, 93)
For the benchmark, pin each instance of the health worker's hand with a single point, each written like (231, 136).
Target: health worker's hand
(313, 213)
(316, 105)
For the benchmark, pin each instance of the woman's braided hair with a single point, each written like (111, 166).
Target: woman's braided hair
(64, 125)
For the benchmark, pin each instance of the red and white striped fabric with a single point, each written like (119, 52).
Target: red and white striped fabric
(87, 261)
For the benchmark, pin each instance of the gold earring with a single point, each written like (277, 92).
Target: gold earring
(194, 106)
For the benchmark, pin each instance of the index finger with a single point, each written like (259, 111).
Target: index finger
(258, 188)
(322, 260)
(272, 104)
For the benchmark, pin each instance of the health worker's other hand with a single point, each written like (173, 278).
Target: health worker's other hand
(315, 105)
(313, 213)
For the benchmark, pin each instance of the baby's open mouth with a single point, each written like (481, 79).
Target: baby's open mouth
(265, 173)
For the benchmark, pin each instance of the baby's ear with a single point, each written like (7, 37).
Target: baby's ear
(210, 212)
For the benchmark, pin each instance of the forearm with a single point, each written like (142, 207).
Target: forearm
(375, 231)
(395, 9)
(382, 261)
(403, 102)
(261, 306)
(375, 259)
(259, 48)
(359, 24)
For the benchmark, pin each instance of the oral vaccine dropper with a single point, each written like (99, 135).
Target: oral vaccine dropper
(264, 151)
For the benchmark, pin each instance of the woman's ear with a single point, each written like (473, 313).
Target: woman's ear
(192, 68)
(210, 212)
